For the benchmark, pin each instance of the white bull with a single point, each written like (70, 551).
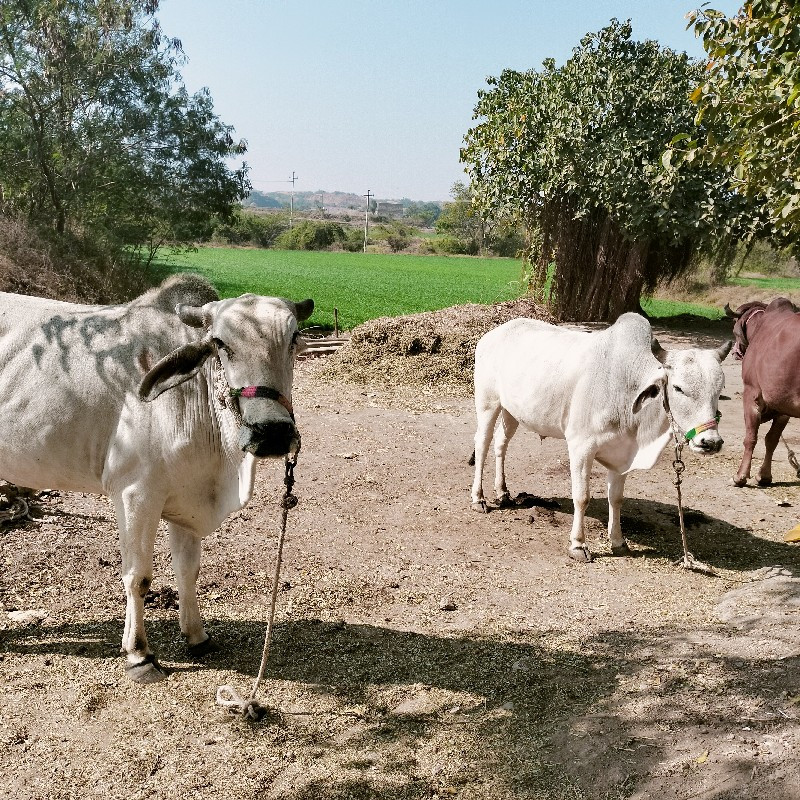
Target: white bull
(603, 392)
(75, 386)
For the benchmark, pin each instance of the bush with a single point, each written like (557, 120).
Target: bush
(308, 235)
(248, 227)
(353, 240)
(453, 246)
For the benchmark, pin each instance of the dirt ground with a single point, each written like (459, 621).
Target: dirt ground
(422, 650)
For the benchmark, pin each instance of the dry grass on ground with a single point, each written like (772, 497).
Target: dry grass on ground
(62, 269)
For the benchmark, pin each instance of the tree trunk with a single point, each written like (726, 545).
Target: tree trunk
(597, 272)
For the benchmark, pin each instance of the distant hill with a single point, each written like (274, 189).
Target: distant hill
(342, 201)
(305, 200)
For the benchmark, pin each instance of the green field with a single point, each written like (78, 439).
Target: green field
(365, 286)
(771, 284)
(361, 285)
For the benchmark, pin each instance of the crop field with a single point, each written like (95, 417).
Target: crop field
(366, 286)
(361, 286)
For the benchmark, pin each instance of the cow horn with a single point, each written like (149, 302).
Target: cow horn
(722, 351)
(658, 351)
(194, 316)
(729, 312)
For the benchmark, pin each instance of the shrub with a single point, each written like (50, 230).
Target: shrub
(248, 227)
(308, 235)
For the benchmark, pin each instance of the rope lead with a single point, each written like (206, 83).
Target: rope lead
(227, 696)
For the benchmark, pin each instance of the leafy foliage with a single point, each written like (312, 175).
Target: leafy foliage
(97, 131)
(749, 101)
(310, 235)
(576, 152)
(247, 227)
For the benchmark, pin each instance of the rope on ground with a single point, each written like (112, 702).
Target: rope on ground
(227, 696)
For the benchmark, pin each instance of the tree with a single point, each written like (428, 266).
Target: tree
(576, 153)
(97, 131)
(749, 102)
(461, 220)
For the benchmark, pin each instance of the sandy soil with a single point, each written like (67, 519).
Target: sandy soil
(421, 650)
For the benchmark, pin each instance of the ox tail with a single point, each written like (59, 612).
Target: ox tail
(471, 461)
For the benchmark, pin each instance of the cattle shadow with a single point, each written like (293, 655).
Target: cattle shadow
(528, 712)
(653, 528)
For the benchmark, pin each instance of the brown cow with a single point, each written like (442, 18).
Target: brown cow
(768, 345)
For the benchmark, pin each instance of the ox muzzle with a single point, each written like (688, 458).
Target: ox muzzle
(705, 438)
(269, 434)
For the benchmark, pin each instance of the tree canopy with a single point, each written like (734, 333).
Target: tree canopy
(748, 101)
(577, 152)
(97, 130)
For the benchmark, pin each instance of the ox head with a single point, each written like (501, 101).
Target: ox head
(743, 314)
(694, 383)
(255, 339)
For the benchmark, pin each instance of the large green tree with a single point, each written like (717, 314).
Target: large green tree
(577, 153)
(97, 131)
(749, 104)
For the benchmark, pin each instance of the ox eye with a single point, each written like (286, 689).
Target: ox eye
(678, 390)
(220, 345)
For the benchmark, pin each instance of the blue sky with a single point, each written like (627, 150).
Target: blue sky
(371, 94)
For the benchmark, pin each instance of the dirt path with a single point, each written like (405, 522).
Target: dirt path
(422, 650)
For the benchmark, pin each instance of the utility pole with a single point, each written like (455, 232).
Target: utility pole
(291, 201)
(366, 218)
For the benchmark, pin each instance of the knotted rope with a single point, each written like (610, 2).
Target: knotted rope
(227, 696)
(688, 561)
(792, 457)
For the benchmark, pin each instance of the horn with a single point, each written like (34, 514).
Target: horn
(729, 312)
(722, 351)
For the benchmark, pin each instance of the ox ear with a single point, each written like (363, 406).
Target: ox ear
(194, 316)
(175, 368)
(658, 351)
(648, 393)
(722, 351)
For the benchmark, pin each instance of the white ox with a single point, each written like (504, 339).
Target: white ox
(73, 384)
(603, 392)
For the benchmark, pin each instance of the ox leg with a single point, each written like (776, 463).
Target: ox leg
(616, 489)
(502, 436)
(771, 441)
(137, 521)
(185, 549)
(752, 419)
(580, 467)
(487, 416)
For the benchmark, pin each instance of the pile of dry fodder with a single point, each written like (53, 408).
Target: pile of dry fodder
(433, 349)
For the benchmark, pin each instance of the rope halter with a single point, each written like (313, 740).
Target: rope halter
(263, 391)
(710, 425)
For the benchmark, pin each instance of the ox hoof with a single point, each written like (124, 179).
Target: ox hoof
(765, 481)
(480, 507)
(739, 482)
(146, 671)
(505, 502)
(203, 648)
(580, 554)
(621, 550)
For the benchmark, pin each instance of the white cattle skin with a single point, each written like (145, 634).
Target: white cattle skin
(73, 419)
(603, 392)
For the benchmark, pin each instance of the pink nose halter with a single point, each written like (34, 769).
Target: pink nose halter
(264, 391)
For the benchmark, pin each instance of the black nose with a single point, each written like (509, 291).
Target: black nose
(268, 438)
(712, 446)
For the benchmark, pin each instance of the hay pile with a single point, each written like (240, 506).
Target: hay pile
(435, 349)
